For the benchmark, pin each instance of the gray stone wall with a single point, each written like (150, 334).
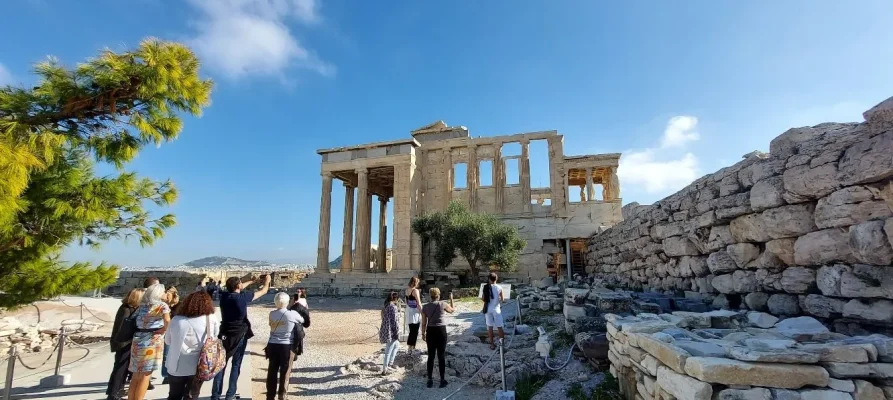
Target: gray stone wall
(805, 229)
(186, 280)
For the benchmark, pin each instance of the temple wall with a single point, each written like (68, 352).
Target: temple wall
(805, 229)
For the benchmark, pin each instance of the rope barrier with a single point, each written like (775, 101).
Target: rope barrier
(82, 306)
(52, 353)
(569, 354)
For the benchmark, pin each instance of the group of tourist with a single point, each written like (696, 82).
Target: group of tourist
(154, 330)
(429, 319)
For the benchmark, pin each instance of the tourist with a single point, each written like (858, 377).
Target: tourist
(195, 322)
(152, 320)
(297, 347)
(302, 297)
(493, 298)
(129, 304)
(172, 298)
(204, 285)
(235, 330)
(279, 348)
(434, 333)
(413, 317)
(389, 332)
(150, 281)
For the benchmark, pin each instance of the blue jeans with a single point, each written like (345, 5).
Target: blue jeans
(236, 363)
(164, 362)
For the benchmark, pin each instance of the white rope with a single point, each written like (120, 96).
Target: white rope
(569, 354)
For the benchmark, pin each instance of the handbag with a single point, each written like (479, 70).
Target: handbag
(212, 357)
(127, 329)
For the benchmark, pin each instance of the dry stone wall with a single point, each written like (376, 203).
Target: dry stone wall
(187, 280)
(805, 229)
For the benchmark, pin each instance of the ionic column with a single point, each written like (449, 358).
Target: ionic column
(347, 242)
(524, 168)
(498, 177)
(590, 191)
(368, 222)
(361, 255)
(325, 219)
(382, 234)
(472, 181)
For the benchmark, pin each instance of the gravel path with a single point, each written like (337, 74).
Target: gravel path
(341, 331)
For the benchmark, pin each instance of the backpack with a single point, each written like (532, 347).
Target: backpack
(212, 357)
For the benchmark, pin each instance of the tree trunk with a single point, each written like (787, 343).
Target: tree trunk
(475, 273)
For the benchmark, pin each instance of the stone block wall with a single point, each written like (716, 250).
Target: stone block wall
(805, 229)
(186, 280)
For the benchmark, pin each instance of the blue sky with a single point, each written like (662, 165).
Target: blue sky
(681, 88)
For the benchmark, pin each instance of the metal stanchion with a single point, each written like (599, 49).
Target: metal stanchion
(519, 311)
(10, 368)
(502, 363)
(59, 354)
(82, 311)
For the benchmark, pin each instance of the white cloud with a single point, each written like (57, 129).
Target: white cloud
(251, 37)
(659, 169)
(680, 130)
(5, 76)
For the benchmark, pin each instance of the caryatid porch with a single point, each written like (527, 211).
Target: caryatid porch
(380, 170)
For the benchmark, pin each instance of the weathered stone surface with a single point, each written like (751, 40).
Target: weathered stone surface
(701, 349)
(866, 391)
(843, 385)
(767, 193)
(867, 281)
(749, 394)
(651, 364)
(743, 253)
(865, 370)
(798, 279)
(802, 183)
(801, 328)
(697, 265)
(822, 247)
(783, 249)
(720, 262)
(850, 206)
(756, 301)
(770, 344)
(888, 229)
(870, 244)
(788, 143)
(693, 320)
(787, 356)
(882, 344)
(876, 310)
(868, 160)
(835, 352)
(734, 372)
(761, 320)
(668, 354)
(683, 387)
(776, 223)
(822, 306)
(679, 246)
(828, 278)
(783, 304)
(823, 394)
(719, 237)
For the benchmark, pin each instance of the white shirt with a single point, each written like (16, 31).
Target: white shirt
(185, 336)
(302, 301)
(495, 305)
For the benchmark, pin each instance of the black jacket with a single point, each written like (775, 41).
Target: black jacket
(297, 344)
(124, 311)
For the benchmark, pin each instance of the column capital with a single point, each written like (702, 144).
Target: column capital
(326, 174)
(383, 199)
(347, 184)
(363, 171)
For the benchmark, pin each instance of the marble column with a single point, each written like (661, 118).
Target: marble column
(325, 219)
(368, 239)
(347, 242)
(498, 176)
(525, 174)
(361, 248)
(472, 178)
(382, 234)
(590, 191)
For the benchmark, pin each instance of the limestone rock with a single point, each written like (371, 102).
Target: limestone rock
(701, 349)
(767, 193)
(719, 237)
(836, 352)
(697, 265)
(798, 280)
(803, 183)
(882, 344)
(783, 249)
(865, 370)
(770, 344)
(721, 262)
(756, 301)
(745, 394)
(822, 247)
(743, 253)
(670, 355)
(822, 306)
(828, 278)
(870, 244)
(801, 328)
(787, 144)
(843, 385)
(723, 284)
(866, 391)
(822, 394)
(783, 304)
(679, 246)
(868, 160)
(734, 372)
(850, 206)
(877, 310)
(683, 387)
(789, 221)
(867, 281)
(761, 320)
(786, 356)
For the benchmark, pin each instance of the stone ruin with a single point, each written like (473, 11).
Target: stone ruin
(806, 229)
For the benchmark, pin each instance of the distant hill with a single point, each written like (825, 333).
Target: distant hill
(336, 263)
(218, 261)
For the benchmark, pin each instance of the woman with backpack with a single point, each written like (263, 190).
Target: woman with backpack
(152, 319)
(121, 348)
(279, 348)
(195, 322)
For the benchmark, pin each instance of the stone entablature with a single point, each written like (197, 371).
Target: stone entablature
(422, 175)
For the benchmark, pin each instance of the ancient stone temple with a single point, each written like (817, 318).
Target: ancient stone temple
(440, 163)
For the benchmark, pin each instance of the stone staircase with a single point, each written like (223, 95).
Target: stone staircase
(356, 284)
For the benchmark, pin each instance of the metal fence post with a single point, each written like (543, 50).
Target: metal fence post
(502, 363)
(10, 368)
(82, 310)
(61, 345)
(518, 300)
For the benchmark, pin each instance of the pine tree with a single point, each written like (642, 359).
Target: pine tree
(482, 239)
(51, 136)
